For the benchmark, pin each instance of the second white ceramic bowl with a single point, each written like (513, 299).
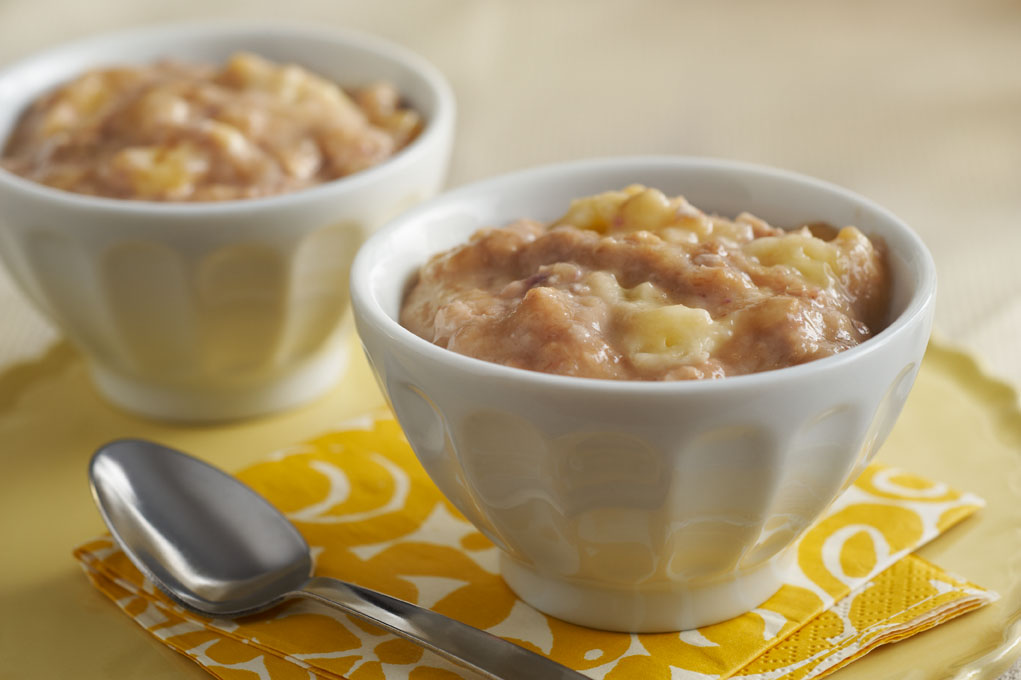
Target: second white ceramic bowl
(641, 506)
(210, 311)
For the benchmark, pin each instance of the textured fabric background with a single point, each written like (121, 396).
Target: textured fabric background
(916, 104)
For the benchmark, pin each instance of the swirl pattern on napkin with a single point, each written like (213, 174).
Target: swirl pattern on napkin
(373, 517)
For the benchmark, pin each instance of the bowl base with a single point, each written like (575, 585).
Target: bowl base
(645, 610)
(205, 403)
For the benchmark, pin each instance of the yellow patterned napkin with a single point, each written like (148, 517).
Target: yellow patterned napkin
(373, 517)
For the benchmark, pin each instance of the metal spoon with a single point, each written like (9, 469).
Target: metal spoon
(218, 548)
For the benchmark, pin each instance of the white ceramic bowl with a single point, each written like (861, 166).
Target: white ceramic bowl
(641, 506)
(208, 311)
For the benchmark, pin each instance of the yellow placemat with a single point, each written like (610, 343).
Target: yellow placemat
(373, 517)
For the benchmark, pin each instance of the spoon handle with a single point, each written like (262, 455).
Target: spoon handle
(465, 646)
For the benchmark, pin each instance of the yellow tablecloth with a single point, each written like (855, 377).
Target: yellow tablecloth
(957, 426)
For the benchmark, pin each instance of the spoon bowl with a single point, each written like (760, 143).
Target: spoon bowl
(213, 546)
(216, 547)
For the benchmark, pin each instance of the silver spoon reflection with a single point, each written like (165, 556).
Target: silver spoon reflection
(218, 548)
